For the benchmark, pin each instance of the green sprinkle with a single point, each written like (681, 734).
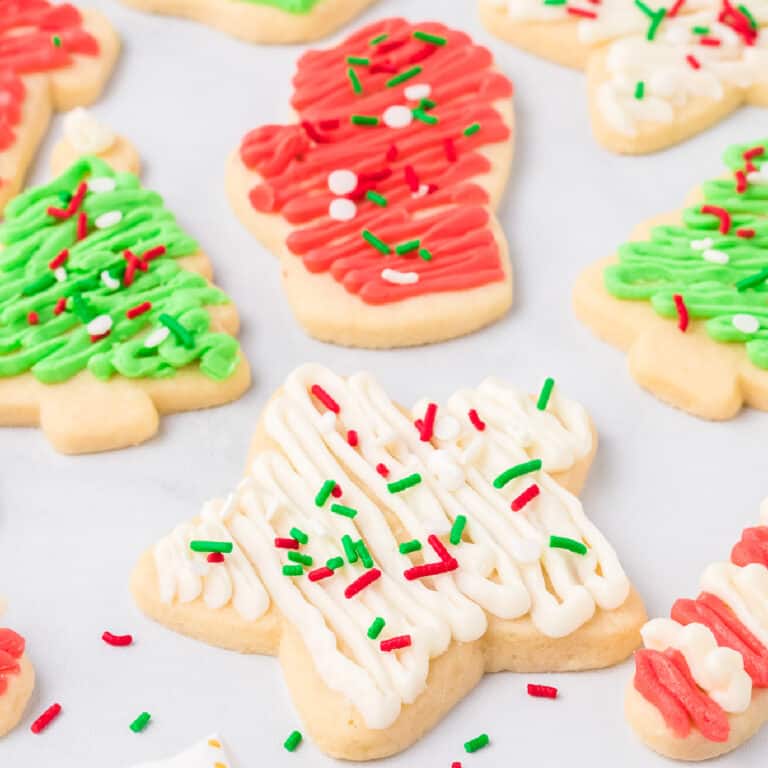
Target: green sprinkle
(546, 392)
(357, 86)
(403, 76)
(299, 535)
(404, 483)
(324, 492)
(225, 547)
(700, 30)
(517, 471)
(379, 245)
(375, 629)
(407, 247)
(561, 542)
(753, 280)
(365, 555)
(656, 17)
(300, 558)
(41, 284)
(340, 509)
(457, 529)
(427, 104)
(293, 570)
(293, 741)
(471, 130)
(379, 39)
(178, 330)
(350, 550)
(425, 254)
(640, 90)
(477, 743)
(555, 2)
(427, 38)
(414, 545)
(425, 117)
(375, 197)
(141, 722)
(364, 120)
(359, 61)
(748, 14)
(334, 563)
(56, 40)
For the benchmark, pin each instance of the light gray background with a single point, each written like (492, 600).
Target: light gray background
(672, 493)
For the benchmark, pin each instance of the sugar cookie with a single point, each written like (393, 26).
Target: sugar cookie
(209, 753)
(17, 680)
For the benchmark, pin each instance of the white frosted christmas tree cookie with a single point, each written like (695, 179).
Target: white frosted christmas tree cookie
(209, 753)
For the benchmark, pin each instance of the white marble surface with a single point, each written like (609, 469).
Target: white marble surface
(671, 492)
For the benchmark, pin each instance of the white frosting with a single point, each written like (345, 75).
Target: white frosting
(209, 753)
(86, 134)
(506, 567)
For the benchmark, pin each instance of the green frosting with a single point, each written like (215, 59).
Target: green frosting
(681, 260)
(59, 346)
(289, 6)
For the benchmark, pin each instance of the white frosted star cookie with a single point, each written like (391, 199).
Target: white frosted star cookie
(391, 559)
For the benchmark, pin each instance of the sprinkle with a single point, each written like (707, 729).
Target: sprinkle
(320, 573)
(141, 722)
(101, 184)
(82, 226)
(375, 197)
(358, 61)
(111, 282)
(60, 274)
(746, 233)
(336, 492)
(33, 318)
(364, 554)
(395, 643)
(682, 312)
(342, 209)
(324, 492)
(378, 244)
(711, 42)
(59, 261)
(472, 129)
(477, 743)
(425, 117)
(392, 153)
(741, 182)
(475, 420)
(325, 398)
(417, 91)
(403, 76)
(399, 278)
(108, 219)
(446, 563)
(364, 120)
(350, 550)
(293, 570)
(156, 338)
(100, 326)
(299, 535)
(352, 438)
(293, 741)
(211, 546)
(46, 718)
(561, 542)
(579, 12)
(427, 38)
(342, 181)
(525, 498)
(56, 40)
(375, 629)
(382, 469)
(640, 90)
(517, 471)
(693, 61)
(714, 256)
(407, 482)
(139, 309)
(379, 39)
(427, 426)
(542, 691)
(334, 563)
(545, 394)
(748, 324)
(61, 305)
(457, 529)
(355, 80)
(720, 213)
(300, 558)
(753, 280)
(407, 247)
(362, 582)
(410, 546)
(455, 764)
(398, 116)
(119, 641)
(215, 557)
(178, 330)
(425, 254)
(340, 509)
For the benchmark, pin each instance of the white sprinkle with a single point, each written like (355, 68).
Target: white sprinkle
(702, 245)
(342, 209)
(101, 184)
(398, 116)
(422, 190)
(746, 323)
(156, 338)
(111, 282)
(418, 91)
(715, 256)
(447, 428)
(342, 182)
(99, 325)
(60, 274)
(399, 278)
(108, 219)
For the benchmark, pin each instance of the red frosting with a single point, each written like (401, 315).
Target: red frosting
(753, 547)
(35, 36)
(448, 215)
(11, 650)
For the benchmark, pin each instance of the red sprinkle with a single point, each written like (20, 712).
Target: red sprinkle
(33, 318)
(542, 691)
(58, 261)
(215, 557)
(527, 496)
(446, 564)
(336, 491)
(320, 573)
(455, 764)
(722, 214)
(392, 153)
(741, 182)
(331, 124)
(477, 422)
(751, 154)
(693, 61)
(46, 718)
(748, 234)
(153, 253)
(352, 438)
(427, 427)
(389, 45)
(119, 641)
(395, 643)
(74, 204)
(422, 53)
(675, 9)
(286, 543)
(581, 12)
(82, 226)
(711, 42)
(682, 312)
(61, 305)
(139, 309)
(411, 179)
(382, 470)
(325, 398)
(359, 584)
(450, 149)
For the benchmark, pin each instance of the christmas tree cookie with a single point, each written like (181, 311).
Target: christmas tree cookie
(688, 298)
(262, 21)
(17, 679)
(391, 559)
(379, 201)
(701, 682)
(107, 314)
(52, 57)
(657, 72)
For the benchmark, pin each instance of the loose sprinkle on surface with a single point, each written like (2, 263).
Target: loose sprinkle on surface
(46, 718)
(119, 641)
(477, 743)
(293, 741)
(542, 691)
(324, 492)
(141, 722)
(359, 584)
(341, 509)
